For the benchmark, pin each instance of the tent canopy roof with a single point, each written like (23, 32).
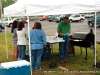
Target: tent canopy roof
(50, 7)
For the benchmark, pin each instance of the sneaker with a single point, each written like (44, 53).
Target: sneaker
(66, 61)
(38, 69)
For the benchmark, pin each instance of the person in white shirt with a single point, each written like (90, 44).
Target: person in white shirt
(21, 36)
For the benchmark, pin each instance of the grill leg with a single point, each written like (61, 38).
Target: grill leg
(86, 54)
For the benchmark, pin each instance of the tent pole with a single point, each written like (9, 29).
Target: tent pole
(95, 42)
(6, 41)
(29, 44)
(5, 30)
(1, 9)
(29, 37)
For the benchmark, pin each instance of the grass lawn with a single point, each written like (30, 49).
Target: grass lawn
(76, 62)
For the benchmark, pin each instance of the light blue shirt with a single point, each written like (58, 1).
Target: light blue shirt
(37, 39)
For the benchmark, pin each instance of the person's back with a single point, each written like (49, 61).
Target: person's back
(37, 38)
(37, 41)
(21, 36)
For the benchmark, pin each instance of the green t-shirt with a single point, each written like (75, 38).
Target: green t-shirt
(63, 28)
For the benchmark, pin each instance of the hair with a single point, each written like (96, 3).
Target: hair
(35, 23)
(24, 20)
(66, 18)
(38, 25)
(14, 25)
(20, 26)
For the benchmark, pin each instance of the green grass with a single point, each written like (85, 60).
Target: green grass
(76, 62)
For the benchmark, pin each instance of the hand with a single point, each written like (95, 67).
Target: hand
(66, 34)
(61, 34)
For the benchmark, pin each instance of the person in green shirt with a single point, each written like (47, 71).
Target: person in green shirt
(63, 30)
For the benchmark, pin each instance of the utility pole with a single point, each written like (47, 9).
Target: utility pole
(1, 9)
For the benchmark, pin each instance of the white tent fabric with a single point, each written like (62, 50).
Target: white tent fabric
(49, 7)
(16, 9)
(97, 5)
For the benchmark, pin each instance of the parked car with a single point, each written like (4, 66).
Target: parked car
(61, 17)
(44, 18)
(52, 18)
(1, 26)
(8, 21)
(76, 17)
(49, 17)
(91, 21)
(89, 15)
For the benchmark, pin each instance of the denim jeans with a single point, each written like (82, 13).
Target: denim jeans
(36, 55)
(63, 48)
(21, 52)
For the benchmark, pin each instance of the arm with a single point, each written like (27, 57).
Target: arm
(27, 35)
(14, 33)
(58, 30)
(44, 38)
(69, 29)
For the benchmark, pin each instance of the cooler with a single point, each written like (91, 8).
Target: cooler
(21, 67)
(46, 53)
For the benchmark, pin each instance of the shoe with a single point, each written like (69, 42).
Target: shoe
(62, 63)
(66, 61)
(38, 69)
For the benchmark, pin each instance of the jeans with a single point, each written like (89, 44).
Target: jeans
(36, 55)
(15, 43)
(63, 48)
(21, 52)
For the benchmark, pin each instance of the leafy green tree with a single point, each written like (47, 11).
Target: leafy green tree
(6, 3)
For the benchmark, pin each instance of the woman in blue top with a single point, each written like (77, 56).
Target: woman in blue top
(37, 41)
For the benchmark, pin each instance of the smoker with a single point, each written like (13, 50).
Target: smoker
(83, 39)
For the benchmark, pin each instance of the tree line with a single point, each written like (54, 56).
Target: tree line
(6, 3)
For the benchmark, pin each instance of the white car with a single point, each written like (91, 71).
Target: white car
(8, 21)
(76, 17)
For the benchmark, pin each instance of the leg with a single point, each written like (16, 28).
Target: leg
(33, 57)
(38, 58)
(61, 51)
(19, 52)
(23, 51)
(15, 52)
(66, 43)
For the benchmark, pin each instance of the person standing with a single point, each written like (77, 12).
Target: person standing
(21, 35)
(24, 22)
(63, 30)
(34, 25)
(37, 41)
(14, 37)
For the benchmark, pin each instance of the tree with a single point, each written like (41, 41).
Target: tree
(6, 3)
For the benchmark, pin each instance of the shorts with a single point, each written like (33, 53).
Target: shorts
(15, 43)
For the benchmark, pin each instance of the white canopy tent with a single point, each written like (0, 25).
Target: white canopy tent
(49, 7)
(52, 7)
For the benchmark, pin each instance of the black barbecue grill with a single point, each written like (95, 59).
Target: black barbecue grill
(82, 39)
